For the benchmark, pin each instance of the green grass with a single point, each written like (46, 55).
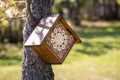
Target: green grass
(97, 58)
(86, 67)
(10, 54)
(12, 72)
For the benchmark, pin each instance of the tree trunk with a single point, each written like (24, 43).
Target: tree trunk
(76, 13)
(33, 67)
(73, 8)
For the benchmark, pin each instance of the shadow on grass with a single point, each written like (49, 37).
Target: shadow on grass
(92, 32)
(9, 60)
(100, 38)
(17, 58)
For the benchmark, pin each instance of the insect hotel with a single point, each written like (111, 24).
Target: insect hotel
(52, 39)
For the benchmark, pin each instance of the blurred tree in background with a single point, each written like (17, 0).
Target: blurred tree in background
(105, 9)
(12, 14)
(11, 20)
(70, 9)
(76, 10)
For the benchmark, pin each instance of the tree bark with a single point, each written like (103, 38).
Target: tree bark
(33, 67)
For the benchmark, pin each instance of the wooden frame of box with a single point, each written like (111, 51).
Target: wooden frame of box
(52, 39)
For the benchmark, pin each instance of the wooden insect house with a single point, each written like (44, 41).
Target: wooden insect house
(52, 39)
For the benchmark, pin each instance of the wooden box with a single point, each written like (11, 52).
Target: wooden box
(52, 39)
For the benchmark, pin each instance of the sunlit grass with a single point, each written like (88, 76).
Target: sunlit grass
(12, 72)
(85, 67)
(97, 58)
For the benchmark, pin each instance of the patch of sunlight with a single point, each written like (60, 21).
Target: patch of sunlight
(102, 39)
(85, 67)
(10, 72)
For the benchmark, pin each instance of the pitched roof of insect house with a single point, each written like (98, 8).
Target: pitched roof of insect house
(52, 35)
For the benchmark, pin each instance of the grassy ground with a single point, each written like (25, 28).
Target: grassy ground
(97, 58)
(10, 62)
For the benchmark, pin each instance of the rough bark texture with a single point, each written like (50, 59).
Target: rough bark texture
(33, 67)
